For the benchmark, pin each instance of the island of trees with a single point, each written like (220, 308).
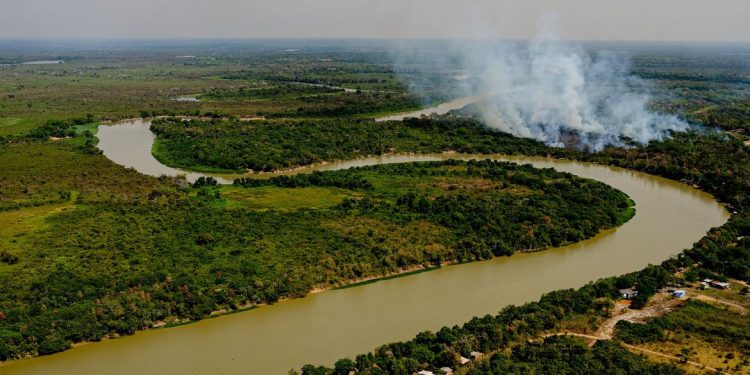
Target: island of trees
(117, 251)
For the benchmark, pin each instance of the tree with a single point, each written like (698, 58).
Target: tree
(343, 366)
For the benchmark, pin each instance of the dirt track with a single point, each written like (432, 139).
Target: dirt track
(659, 305)
(739, 308)
(594, 339)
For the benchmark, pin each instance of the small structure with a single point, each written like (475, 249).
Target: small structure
(628, 293)
(446, 370)
(425, 372)
(704, 285)
(464, 360)
(476, 355)
(679, 293)
(719, 285)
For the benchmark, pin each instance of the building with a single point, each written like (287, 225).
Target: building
(476, 355)
(464, 360)
(446, 370)
(628, 293)
(679, 293)
(719, 285)
(425, 372)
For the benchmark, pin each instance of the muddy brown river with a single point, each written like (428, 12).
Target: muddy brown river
(323, 327)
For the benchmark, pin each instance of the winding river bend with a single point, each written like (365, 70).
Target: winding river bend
(325, 326)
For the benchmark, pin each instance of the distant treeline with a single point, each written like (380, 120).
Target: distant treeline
(280, 144)
(271, 92)
(342, 179)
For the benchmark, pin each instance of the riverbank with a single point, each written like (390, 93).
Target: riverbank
(682, 334)
(461, 291)
(347, 241)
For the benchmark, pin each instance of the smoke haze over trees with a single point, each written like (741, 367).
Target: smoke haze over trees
(555, 91)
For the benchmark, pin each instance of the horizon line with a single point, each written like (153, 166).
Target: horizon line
(348, 38)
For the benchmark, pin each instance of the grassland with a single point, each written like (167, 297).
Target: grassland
(271, 198)
(10, 126)
(135, 81)
(16, 224)
(718, 342)
(36, 173)
(699, 86)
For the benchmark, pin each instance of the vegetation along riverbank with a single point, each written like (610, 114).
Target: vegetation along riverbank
(716, 163)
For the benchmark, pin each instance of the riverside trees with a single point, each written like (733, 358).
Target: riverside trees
(716, 163)
(131, 250)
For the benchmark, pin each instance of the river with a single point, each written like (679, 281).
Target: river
(323, 327)
(439, 109)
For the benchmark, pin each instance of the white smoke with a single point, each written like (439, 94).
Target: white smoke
(554, 91)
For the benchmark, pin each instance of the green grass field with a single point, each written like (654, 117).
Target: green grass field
(273, 198)
(15, 126)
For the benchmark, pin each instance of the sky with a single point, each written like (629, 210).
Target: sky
(636, 20)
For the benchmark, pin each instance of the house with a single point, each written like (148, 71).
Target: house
(679, 293)
(464, 360)
(446, 370)
(704, 285)
(476, 355)
(628, 293)
(425, 372)
(719, 285)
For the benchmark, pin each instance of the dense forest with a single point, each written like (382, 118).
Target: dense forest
(280, 144)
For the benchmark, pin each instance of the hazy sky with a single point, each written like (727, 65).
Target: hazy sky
(673, 20)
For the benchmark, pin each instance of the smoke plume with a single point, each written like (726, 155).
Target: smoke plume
(555, 91)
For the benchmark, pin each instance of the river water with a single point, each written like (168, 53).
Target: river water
(323, 327)
(439, 109)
